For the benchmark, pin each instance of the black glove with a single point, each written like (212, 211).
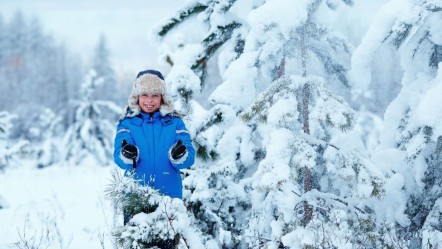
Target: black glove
(129, 151)
(178, 150)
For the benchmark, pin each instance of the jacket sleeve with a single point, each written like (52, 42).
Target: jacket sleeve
(189, 158)
(123, 133)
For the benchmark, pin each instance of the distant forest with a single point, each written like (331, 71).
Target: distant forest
(38, 73)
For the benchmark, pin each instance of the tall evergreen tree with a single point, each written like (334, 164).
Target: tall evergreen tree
(310, 184)
(15, 61)
(284, 73)
(410, 149)
(2, 38)
(102, 65)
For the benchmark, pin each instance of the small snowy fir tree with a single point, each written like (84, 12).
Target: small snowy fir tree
(101, 64)
(411, 144)
(5, 126)
(47, 151)
(9, 151)
(90, 134)
(154, 217)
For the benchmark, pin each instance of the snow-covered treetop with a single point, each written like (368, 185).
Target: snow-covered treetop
(412, 27)
(283, 40)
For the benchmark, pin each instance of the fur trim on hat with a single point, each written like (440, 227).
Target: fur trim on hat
(150, 84)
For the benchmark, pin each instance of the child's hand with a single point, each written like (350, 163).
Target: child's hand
(129, 151)
(178, 150)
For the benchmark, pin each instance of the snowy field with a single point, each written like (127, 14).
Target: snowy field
(56, 207)
(294, 173)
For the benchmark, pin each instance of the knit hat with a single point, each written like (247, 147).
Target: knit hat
(149, 82)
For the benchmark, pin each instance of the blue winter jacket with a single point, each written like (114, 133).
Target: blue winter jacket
(154, 135)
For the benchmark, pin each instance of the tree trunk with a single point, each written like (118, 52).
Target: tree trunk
(308, 180)
(280, 70)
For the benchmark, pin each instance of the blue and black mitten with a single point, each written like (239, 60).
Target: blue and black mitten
(130, 152)
(178, 152)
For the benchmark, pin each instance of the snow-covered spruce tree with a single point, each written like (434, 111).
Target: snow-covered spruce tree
(248, 62)
(9, 151)
(213, 192)
(5, 126)
(155, 216)
(410, 148)
(313, 186)
(90, 134)
(48, 131)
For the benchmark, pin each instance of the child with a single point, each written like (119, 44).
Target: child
(151, 138)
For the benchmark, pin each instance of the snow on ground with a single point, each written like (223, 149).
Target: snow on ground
(60, 206)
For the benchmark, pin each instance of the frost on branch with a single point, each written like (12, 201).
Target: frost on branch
(154, 217)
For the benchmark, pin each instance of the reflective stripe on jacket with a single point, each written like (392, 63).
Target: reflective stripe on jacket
(154, 135)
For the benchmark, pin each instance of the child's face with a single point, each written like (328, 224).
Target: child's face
(150, 103)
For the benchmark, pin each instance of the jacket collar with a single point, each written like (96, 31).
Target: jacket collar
(146, 117)
(152, 116)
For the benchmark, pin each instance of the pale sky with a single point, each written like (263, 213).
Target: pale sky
(126, 24)
(79, 24)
